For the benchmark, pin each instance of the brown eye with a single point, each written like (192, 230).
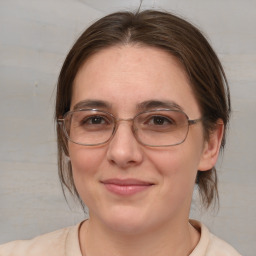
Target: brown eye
(95, 120)
(160, 120)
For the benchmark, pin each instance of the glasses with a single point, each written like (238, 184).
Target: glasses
(154, 128)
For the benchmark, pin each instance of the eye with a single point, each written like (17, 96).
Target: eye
(94, 120)
(159, 120)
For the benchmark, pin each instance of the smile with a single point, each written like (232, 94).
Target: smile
(126, 187)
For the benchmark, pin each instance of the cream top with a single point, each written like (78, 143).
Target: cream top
(65, 242)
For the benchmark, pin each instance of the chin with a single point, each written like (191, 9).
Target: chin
(126, 221)
(128, 227)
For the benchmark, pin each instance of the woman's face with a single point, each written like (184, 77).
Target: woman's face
(127, 186)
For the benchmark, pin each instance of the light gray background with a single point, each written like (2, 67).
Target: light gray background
(36, 35)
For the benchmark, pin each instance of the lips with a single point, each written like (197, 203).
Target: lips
(126, 187)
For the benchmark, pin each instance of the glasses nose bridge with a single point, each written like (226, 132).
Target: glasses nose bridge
(119, 120)
(124, 120)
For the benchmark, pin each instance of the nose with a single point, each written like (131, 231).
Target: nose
(124, 150)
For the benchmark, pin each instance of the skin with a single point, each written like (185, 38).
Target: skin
(155, 220)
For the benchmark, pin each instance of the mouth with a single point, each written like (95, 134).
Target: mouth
(126, 187)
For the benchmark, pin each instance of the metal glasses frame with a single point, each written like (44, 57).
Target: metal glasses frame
(61, 122)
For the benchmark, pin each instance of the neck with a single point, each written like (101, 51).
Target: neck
(172, 239)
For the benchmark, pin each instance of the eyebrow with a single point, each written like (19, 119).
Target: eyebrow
(92, 104)
(151, 104)
(143, 106)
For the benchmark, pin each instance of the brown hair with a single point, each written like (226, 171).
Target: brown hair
(177, 37)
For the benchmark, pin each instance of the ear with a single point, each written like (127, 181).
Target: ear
(211, 148)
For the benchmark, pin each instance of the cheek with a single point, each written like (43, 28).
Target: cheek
(175, 162)
(177, 173)
(178, 167)
(85, 162)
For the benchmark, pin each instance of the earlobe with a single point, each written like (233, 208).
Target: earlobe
(211, 148)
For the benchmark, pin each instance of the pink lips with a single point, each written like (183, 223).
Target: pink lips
(126, 187)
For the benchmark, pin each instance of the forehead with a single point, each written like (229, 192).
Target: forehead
(128, 75)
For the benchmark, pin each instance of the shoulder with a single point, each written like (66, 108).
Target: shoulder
(47, 244)
(211, 245)
(221, 248)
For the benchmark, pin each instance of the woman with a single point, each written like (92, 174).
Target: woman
(142, 108)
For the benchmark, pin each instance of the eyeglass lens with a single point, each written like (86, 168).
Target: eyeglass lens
(154, 128)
